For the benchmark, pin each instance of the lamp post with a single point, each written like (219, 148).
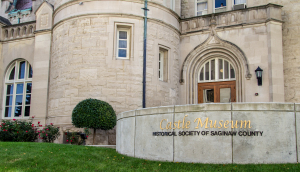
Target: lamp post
(258, 73)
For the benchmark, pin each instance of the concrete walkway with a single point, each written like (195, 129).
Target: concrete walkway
(104, 146)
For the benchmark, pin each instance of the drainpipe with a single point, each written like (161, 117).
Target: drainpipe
(144, 53)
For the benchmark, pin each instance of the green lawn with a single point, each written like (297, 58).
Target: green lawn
(58, 157)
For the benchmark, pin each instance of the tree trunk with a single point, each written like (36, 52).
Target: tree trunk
(94, 136)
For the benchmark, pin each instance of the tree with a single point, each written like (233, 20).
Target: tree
(93, 113)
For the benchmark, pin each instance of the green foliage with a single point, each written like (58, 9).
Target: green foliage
(18, 131)
(93, 113)
(74, 137)
(49, 133)
(25, 131)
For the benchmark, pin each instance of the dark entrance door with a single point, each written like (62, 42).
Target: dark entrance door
(217, 92)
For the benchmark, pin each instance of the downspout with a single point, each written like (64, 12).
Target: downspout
(144, 53)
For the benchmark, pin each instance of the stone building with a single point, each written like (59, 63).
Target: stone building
(56, 53)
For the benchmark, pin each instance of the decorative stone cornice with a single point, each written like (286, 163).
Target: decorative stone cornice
(117, 15)
(248, 16)
(43, 31)
(150, 3)
(18, 31)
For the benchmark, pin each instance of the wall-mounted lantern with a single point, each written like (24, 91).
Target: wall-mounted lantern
(258, 73)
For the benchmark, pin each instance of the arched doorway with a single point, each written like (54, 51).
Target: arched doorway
(215, 49)
(217, 82)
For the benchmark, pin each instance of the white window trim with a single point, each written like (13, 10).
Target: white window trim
(128, 45)
(196, 7)
(161, 66)
(214, 6)
(129, 28)
(216, 71)
(166, 51)
(14, 83)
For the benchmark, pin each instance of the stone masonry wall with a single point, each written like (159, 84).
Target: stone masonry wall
(83, 66)
(161, 93)
(291, 43)
(291, 46)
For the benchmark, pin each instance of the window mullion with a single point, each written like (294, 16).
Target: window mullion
(209, 71)
(127, 48)
(14, 100)
(162, 66)
(24, 89)
(223, 61)
(118, 39)
(5, 99)
(25, 73)
(217, 69)
(16, 70)
(229, 76)
(23, 100)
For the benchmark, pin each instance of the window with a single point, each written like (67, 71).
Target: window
(239, 2)
(220, 6)
(18, 84)
(201, 7)
(123, 41)
(163, 64)
(216, 70)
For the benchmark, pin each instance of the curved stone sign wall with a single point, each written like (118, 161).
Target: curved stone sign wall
(238, 133)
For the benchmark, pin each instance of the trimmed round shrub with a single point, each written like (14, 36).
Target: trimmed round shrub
(93, 113)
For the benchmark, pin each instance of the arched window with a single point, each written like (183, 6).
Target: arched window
(24, 30)
(12, 33)
(216, 69)
(18, 84)
(6, 33)
(19, 32)
(30, 29)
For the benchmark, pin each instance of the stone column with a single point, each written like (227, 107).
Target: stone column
(229, 4)
(275, 58)
(210, 6)
(41, 62)
(40, 75)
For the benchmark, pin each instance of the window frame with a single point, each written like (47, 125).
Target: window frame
(217, 69)
(238, 4)
(223, 9)
(127, 39)
(128, 27)
(163, 63)
(16, 65)
(196, 7)
(161, 66)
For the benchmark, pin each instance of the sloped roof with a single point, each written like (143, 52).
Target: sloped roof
(4, 21)
(24, 4)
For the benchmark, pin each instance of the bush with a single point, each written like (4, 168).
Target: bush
(49, 133)
(93, 113)
(75, 138)
(18, 131)
(25, 131)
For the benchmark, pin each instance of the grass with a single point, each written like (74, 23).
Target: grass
(57, 157)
